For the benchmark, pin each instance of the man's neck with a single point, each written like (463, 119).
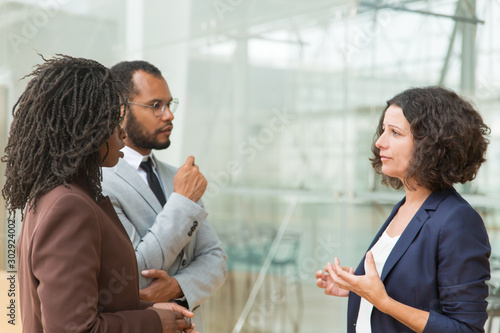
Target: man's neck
(142, 151)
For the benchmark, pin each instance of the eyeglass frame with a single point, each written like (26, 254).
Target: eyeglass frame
(173, 102)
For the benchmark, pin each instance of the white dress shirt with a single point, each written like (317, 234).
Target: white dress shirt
(134, 159)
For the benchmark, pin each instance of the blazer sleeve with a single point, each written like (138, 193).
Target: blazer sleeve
(66, 249)
(207, 271)
(463, 268)
(164, 240)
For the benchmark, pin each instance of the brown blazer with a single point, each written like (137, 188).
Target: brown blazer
(77, 268)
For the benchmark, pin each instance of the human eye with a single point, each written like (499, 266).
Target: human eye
(157, 105)
(396, 133)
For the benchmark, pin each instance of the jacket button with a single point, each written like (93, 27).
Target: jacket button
(193, 229)
(190, 233)
(195, 223)
(184, 262)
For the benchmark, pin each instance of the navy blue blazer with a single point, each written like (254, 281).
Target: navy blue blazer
(439, 264)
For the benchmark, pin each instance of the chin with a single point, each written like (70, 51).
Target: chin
(110, 163)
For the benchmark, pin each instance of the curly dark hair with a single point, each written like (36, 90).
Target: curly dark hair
(67, 112)
(124, 72)
(449, 136)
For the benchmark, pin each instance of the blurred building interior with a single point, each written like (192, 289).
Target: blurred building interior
(279, 101)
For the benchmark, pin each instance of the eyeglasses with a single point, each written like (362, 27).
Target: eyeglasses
(160, 106)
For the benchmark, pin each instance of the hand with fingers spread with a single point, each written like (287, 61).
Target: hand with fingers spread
(173, 317)
(163, 288)
(368, 286)
(325, 281)
(189, 181)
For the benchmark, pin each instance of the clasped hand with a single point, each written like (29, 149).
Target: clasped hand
(173, 317)
(163, 288)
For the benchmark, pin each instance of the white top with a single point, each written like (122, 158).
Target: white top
(380, 251)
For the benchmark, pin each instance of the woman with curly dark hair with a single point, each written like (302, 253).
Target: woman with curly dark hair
(77, 268)
(426, 269)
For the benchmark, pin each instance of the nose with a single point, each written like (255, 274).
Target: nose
(381, 141)
(167, 115)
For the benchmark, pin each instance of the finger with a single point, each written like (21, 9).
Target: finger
(338, 269)
(339, 272)
(336, 262)
(340, 278)
(321, 284)
(183, 324)
(153, 273)
(330, 268)
(371, 268)
(145, 295)
(182, 310)
(330, 290)
(179, 315)
(318, 274)
(190, 161)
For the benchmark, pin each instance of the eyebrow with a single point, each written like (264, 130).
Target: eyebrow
(159, 100)
(391, 125)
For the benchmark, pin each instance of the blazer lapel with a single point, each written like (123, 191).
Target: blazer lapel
(130, 176)
(412, 230)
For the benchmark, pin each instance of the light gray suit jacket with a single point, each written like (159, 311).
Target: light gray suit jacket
(177, 238)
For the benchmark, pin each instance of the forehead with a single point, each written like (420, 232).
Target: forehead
(394, 117)
(150, 87)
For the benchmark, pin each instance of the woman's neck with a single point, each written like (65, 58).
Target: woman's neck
(416, 196)
(414, 200)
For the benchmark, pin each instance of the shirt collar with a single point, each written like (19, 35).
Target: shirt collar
(134, 158)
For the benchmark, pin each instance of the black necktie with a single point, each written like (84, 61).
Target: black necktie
(153, 181)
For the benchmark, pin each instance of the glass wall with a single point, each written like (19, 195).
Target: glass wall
(279, 104)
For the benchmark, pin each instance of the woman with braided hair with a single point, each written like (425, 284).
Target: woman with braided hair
(77, 267)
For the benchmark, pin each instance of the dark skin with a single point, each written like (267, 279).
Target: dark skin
(152, 131)
(172, 315)
(173, 318)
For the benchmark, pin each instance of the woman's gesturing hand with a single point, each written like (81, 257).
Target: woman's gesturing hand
(324, 281)
(368, 286)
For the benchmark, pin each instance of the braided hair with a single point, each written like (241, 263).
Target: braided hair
(67, 112)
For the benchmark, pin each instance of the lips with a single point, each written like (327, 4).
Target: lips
(167, 129)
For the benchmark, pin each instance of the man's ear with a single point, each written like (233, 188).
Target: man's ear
(122, 109)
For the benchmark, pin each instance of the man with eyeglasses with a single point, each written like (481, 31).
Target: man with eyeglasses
(179, 254)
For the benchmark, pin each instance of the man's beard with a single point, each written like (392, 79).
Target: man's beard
(137, 134)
